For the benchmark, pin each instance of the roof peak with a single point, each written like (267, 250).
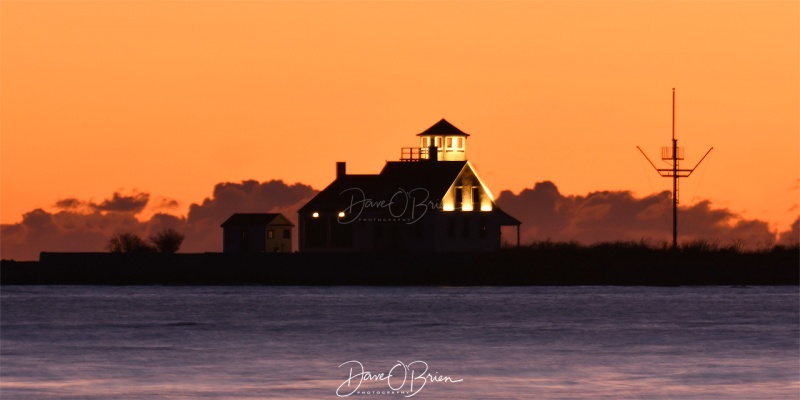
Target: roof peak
(252, 219)
(443, 128)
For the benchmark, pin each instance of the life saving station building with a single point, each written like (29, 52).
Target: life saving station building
(430, 200)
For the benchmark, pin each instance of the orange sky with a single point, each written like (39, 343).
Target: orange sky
(171, 98)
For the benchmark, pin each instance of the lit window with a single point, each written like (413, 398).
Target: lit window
(270, 234)
(315, 214)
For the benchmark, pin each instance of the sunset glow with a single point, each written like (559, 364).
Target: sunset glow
(172, 98)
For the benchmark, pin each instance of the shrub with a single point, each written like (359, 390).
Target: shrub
(128, 243)
(167, 240)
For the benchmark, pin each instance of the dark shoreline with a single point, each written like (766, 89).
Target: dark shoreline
(553, 264)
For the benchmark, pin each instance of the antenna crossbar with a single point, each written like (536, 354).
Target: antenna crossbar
(675, 154)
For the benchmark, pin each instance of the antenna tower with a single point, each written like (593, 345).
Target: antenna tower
(674, 154)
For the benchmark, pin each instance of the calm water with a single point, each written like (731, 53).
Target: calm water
(74, 342)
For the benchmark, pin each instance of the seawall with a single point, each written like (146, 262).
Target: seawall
(510, 267)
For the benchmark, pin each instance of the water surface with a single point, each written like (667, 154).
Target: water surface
(83, 342)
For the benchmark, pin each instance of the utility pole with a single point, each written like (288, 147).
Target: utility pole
(674, 155)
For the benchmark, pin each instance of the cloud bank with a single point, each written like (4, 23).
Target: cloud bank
(80, 225)
(86, 226)
(618, 215)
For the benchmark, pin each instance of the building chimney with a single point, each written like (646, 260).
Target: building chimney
(341, 169)
(433, 153)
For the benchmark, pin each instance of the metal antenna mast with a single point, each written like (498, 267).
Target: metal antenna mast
(674, 154)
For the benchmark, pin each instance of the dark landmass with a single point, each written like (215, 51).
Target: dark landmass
(540, 264)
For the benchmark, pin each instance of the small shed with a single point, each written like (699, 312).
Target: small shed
(257, 233)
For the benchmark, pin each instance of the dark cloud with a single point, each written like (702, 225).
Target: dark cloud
(275, 196)
(69, 203)
(119, 203)
(618, 215)
(70, 229)
(249, 197)
(792, 235)
(545, 214)
(168, 203)
(62, 231)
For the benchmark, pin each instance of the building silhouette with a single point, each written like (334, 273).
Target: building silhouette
(430, 200)
(257, 233)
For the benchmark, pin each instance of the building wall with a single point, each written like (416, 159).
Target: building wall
(325, 233)
(437, 231)
(255, 239)
(281, 241)
(243, 239)
(467, 231)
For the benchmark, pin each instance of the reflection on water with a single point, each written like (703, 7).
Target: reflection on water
(61, 342)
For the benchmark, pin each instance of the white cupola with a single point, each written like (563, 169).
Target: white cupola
(449, 141)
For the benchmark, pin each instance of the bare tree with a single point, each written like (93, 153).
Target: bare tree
(167, 240)
(128, 243)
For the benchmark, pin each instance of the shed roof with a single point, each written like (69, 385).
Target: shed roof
(256, 219)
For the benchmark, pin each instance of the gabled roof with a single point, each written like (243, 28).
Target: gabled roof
(443, 128)
(335, 196)
(418, 179)
(435, 177)
(256, 220)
